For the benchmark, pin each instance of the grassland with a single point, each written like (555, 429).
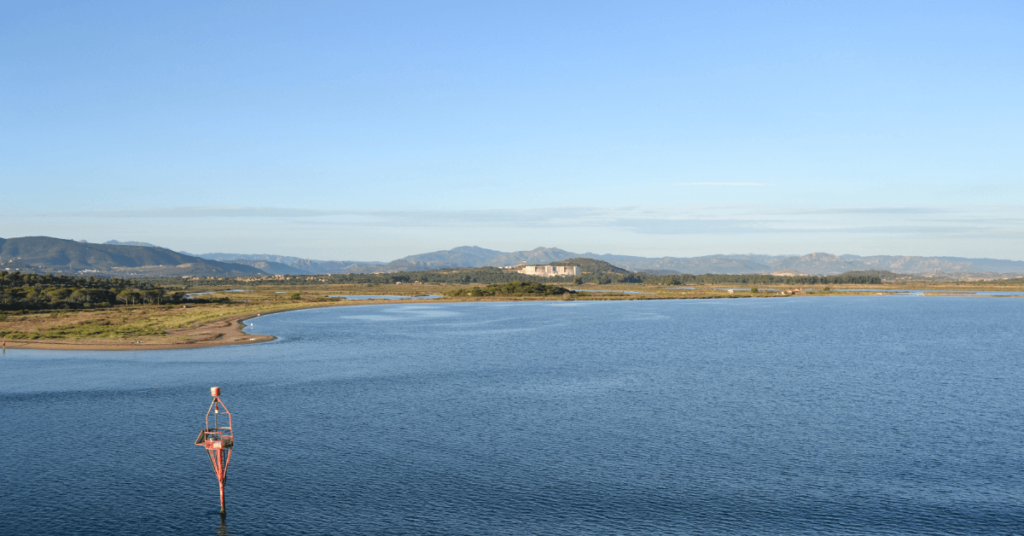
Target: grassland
(218, 322)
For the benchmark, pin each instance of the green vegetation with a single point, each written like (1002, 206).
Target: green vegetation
(762, 279)
(515, 288)
(884, 275)
(34, 292)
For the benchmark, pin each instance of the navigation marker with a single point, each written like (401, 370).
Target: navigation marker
(218, 440)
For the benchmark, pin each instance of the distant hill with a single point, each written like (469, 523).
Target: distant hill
(533, 256)
(466, 256)
(591, 266)
(828, 264)
(42, 254)
(284, 265)
(460, 257)
(130, 243)
(708, 264)
(813, 263)
(271, 267)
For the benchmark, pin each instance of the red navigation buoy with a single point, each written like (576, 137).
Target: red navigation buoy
(218, 439)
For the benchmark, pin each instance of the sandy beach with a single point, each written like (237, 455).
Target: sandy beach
(218, 333)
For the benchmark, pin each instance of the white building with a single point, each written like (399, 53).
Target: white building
(550, 271)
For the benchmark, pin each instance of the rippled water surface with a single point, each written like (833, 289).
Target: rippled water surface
(833, 415)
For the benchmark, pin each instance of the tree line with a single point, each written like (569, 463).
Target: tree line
(515, 288)
(764, 279)
(34, 292)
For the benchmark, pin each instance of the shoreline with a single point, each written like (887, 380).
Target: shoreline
(222, 332)
(229, 331)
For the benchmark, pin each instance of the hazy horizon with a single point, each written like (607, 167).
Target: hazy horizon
(416, 253)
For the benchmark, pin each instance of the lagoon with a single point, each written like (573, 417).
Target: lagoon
(834, 415)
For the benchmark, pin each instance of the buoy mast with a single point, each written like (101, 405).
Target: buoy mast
(218, 438)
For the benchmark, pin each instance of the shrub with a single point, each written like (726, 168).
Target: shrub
(515, 288)
(296, 296)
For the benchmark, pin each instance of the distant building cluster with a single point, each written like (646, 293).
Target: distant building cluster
(550, 271)
(278, 277)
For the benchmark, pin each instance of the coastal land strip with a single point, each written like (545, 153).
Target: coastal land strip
(220, 316)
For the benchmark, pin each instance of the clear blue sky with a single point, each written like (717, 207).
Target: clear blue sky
(374, 130)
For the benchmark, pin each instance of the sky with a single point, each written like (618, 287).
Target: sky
(375, 130)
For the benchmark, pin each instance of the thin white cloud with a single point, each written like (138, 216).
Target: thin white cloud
(722, 184)
(207, 212)
(640, 220)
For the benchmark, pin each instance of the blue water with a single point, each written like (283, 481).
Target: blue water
(774, 416)
(953, 292)
(611, 291)
(384, 297)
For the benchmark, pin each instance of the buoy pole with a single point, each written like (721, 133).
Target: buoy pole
(218, 439)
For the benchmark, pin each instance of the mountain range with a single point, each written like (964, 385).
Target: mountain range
(284, 265)
(812, 264)
(42, 254)
(140, 259)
